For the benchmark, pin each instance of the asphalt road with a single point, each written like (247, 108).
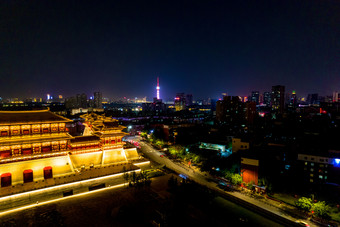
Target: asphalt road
(208, 181)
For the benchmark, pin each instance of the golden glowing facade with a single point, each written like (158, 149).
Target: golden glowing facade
(35, 145)
(107, 129)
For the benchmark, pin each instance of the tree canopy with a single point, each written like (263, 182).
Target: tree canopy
(321, 209)
(304, 204)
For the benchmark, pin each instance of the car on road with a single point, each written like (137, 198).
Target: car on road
(302, 223)
(226, 187)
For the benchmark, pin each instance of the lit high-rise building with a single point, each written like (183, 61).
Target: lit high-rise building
(336, 96)
(261, 99)
(293, 100)
(313, 99)
(230, 110)
(81, 100)
(278, 98)
(180, 101)
(267, 98)
(98, 98)
(255, 97)
(188, 99)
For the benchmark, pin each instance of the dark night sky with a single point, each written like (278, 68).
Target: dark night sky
(198, 47)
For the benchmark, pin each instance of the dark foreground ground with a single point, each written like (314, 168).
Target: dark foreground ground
(178, 205)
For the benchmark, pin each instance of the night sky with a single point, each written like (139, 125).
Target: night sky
(199, 47)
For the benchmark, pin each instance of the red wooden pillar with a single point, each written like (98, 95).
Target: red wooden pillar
(6, 179)
(48, 172)
(28, 175)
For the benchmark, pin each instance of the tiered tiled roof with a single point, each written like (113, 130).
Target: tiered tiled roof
(30, 117)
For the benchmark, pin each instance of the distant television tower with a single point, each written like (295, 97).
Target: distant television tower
(158, 88)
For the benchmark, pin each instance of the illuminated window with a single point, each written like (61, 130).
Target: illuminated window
(25, 129)
(26, 149)
(36, 147)
(36, 128)
(15, 130)
(311, 175)
(311, 180)
(46, 146)
(306, 163)
(16, 149)
(5, 151)
(55, 145)
(4, 130)
(45, 128)
(312, 164)
(61, 127)
(54, 127)
(320, 176)
(4, 133)
(311, 169)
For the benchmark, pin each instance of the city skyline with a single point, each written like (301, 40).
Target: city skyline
(250, 97)
(90, 95)
(194, 47)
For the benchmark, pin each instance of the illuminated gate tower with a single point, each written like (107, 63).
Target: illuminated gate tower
(35, 145)
(110, 135)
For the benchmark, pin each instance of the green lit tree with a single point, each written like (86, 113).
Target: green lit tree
(177, 151)
(321, 209)
(236, 179)
(144, 135)
(195, 158)
(159, 143)
(304, 204)
(228, 175)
